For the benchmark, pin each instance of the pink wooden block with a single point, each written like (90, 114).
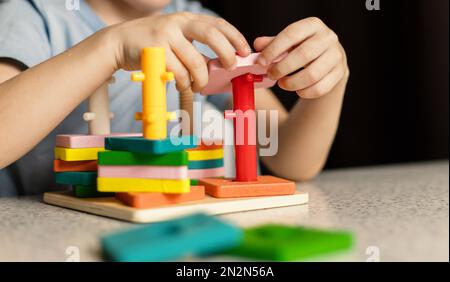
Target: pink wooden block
(150, 172)
(87, 141)
(220, 79)
(206, 173)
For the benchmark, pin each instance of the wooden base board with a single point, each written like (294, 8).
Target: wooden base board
(111, 207)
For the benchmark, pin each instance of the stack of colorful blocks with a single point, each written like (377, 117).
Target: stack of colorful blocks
(75, 163)
(206, 161)
(147, 173)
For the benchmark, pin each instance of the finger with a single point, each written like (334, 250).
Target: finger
(231, 33)
(313, 73)
(261, 42)
(214, 38)
(303, 55)
(324, 86)
(182, 76)
(292, 35)
(192, 60)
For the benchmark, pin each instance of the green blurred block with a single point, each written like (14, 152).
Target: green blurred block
(81, 191)
(129, 158)
(290, 243)
(76, 178)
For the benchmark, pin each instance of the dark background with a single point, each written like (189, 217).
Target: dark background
(396, 105)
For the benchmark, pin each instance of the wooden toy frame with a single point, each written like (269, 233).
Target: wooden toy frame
(113, 208)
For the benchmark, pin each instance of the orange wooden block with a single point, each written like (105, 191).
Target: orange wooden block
(64, 166)
(266, 185)
(152, 200)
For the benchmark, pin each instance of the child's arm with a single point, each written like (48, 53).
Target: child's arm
(307, 132)
(34, 102)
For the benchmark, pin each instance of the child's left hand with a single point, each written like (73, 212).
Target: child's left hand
(314, 49)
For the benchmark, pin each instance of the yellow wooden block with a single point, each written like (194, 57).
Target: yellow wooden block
(171, 186)
(78, 154)
(205, 155)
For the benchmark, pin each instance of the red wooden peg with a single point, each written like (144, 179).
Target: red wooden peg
(245, 126)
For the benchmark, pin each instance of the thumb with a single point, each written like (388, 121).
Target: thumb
(261, 42)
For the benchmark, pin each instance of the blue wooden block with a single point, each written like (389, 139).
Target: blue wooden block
(197, 234)
(77, 178)
(205, 164)
(142, 145)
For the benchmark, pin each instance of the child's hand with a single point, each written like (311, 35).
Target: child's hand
(312, 46)
(175, 32)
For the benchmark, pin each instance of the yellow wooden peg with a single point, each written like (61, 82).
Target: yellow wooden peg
(154, 76)
(138, 76)
(171, 115)
(168, 76)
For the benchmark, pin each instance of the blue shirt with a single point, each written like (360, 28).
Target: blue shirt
(32, 31)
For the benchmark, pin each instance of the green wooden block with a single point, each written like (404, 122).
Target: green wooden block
(142, 145)
(81, 191)
(290, 243)
(194, 182)
(205, 164)
(129, 158)
(76, 178)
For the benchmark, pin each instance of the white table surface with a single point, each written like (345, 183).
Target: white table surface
(400, 212)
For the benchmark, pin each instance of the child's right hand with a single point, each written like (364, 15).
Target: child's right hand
(175, 32)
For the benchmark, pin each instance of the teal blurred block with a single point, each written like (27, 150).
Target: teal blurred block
(205, 164)
(76, 178)
(290, 243)
(156, 147)
(197, 234)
